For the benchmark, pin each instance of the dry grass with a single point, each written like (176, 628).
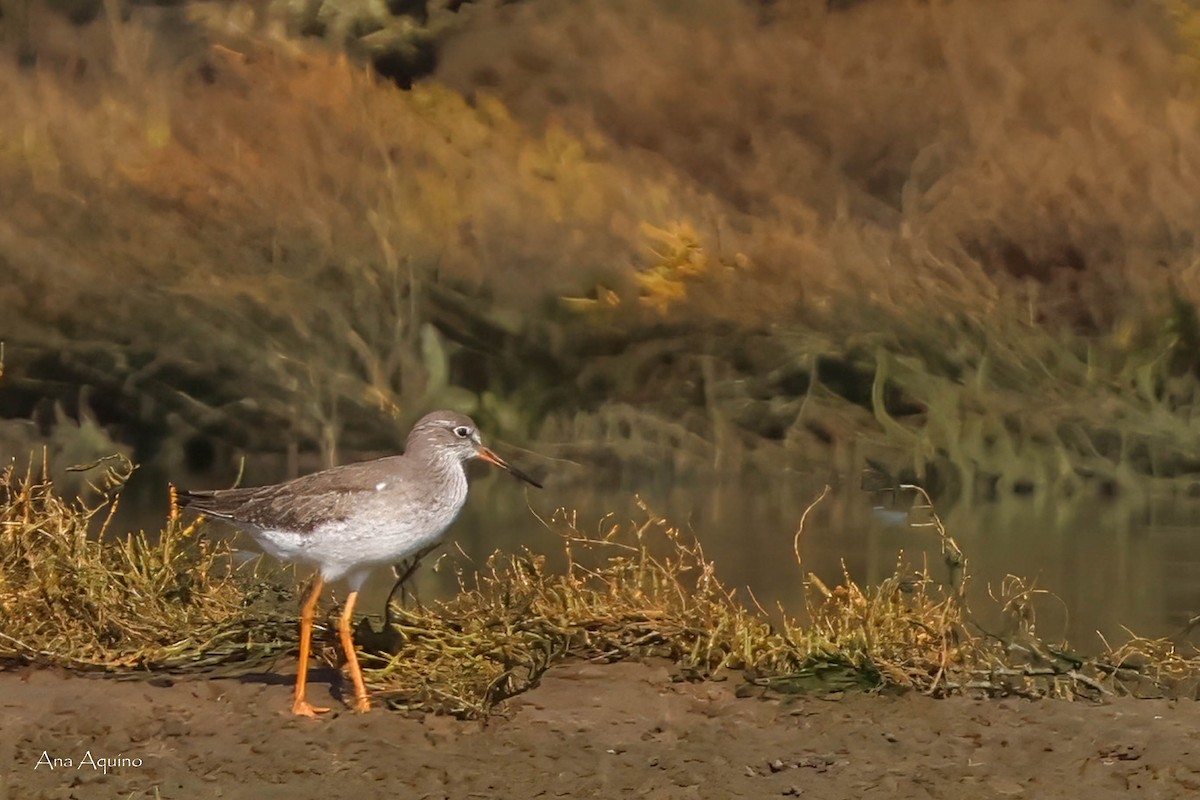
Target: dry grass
(301, 222)
(788, 226)
(73, 596)
(975, 203)
(652, 592)
(911, 151)
(647, 589)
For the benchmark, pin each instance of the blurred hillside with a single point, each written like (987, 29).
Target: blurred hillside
(679, 236)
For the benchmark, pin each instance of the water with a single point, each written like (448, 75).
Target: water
(1102, 565)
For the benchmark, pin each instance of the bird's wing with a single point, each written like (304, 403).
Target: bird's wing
(298, 505)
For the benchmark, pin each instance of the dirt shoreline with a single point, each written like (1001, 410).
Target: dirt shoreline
(617, 730)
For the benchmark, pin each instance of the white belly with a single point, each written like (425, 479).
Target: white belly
(377, 534)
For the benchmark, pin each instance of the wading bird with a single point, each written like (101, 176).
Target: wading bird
(348, 519)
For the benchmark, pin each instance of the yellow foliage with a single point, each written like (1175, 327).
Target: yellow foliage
(679, 259)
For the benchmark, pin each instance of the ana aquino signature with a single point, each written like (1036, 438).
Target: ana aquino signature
(98, 763)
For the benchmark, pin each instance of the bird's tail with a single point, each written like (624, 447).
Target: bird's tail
(182, 498)
(210, 502)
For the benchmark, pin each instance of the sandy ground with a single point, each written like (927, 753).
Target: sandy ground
(620, 730)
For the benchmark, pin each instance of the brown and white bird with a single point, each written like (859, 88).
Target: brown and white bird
(346, 520)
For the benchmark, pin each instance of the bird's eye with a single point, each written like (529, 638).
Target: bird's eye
(462, 431)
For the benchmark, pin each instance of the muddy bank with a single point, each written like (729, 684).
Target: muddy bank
(587, 731)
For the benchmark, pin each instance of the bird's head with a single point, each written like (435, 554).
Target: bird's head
(453, 435)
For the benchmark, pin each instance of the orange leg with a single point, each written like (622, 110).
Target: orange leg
(361, 701)
(300, 704)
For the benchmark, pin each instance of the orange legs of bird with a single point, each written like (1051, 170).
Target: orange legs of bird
(361, 701)
(300, 704)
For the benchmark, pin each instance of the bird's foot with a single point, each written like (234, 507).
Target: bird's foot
(303, 708)
(362, 705)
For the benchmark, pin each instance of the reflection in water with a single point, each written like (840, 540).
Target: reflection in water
(1107, 564)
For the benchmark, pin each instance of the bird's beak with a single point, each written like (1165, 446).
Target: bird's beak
(487, 455)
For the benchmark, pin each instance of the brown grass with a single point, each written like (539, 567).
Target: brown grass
(647, 589)
(902, 149)
(297, 220)
(787, 226)
(72, 596)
